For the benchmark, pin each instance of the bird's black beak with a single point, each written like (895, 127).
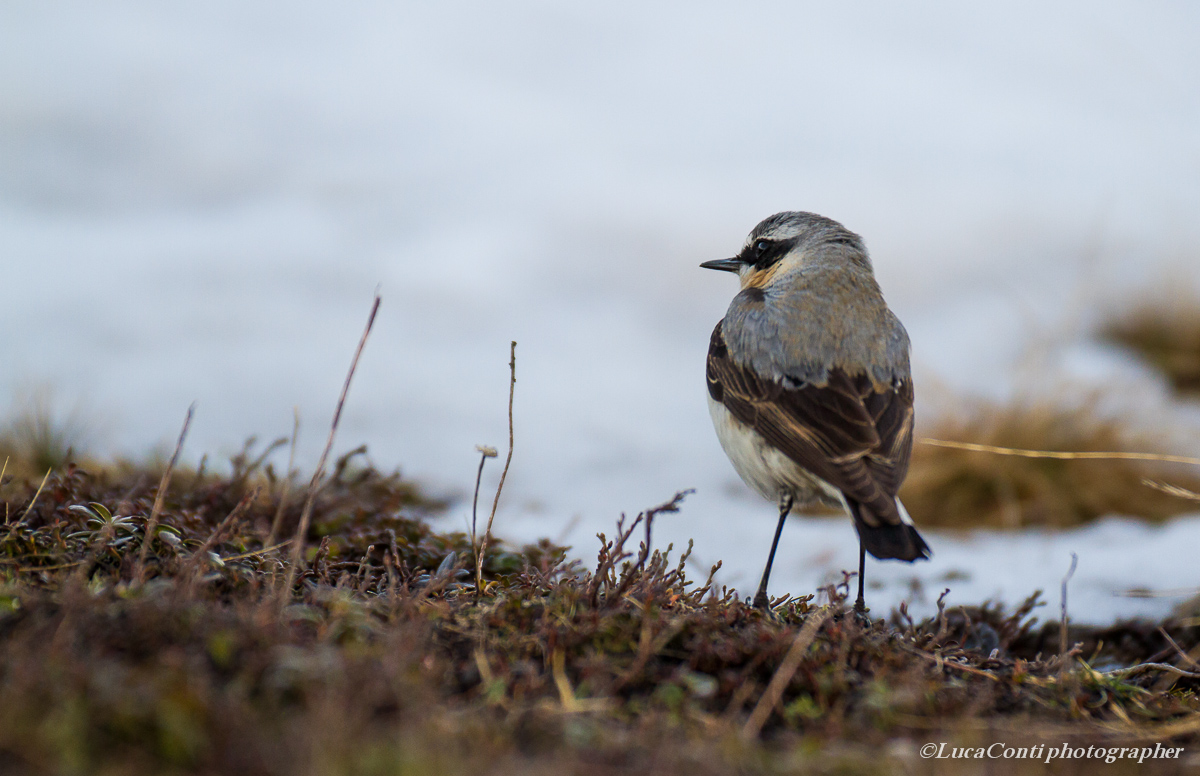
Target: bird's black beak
(728, 265)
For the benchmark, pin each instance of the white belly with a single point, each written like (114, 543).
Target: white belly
(764, 468)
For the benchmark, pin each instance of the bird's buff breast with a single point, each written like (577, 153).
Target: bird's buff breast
(764, 468)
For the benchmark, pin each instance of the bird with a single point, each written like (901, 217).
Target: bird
(809, 384)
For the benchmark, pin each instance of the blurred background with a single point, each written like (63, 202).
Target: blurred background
(198, 200)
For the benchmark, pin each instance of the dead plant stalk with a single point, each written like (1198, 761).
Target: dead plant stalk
(139, 574)
(487, 534)
(485, 453)
(783, 675)
(314, 483)
(193, 565)
(1062, 628)
(286, 487)
(1061, 455)
(32, 501)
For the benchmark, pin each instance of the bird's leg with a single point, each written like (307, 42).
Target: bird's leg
(760, 598)
(860, 605)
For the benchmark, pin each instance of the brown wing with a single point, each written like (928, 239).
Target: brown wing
(846, 432)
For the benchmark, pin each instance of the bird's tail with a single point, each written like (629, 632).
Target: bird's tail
(900, 540)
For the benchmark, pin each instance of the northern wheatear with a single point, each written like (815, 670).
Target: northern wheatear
(809, 385)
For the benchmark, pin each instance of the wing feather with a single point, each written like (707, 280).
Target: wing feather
(847, 432)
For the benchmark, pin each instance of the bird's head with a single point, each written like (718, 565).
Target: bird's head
(790, 241)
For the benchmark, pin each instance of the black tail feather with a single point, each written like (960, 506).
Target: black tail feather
(900, 541)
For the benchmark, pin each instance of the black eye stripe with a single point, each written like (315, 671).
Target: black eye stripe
(761, 256)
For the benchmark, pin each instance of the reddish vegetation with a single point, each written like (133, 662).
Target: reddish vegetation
(382, 658)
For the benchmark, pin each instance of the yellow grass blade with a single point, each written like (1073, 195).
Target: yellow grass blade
(1174, 490)
(33, 501)
(1061, 455)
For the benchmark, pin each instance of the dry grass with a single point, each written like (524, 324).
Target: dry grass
(39, 437)
(969, 489)
(1165, 331)
(383, 660)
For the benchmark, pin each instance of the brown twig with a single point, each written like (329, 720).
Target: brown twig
(71, 565)
(1187, 657)
(653, 512)
(942, 662)
(244, 466)
(512, 386)
(644, 554)
(254, 553)
(783, 675)
(139, 574)
(189, 571)
(306, 513)
(1121, 673)
(611, 553)
(943, 622)
(287, 481)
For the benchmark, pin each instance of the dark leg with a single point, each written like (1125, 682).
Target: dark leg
(760, 598)
(860, 605)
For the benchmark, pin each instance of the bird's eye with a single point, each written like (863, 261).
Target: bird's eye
(761, 247)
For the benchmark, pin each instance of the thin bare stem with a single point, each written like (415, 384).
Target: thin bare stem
(653, 512)
(485, 453)
(306, 514)
(2, 473)
(1140, 667)
(512, 384)
(287, 481)
(189, 573)
(1061, 455)
(32, 501)
(139, 573)
(256, 553)
(1188, 658)
(1062, 629)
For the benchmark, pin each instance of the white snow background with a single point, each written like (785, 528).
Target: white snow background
(198, 199)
